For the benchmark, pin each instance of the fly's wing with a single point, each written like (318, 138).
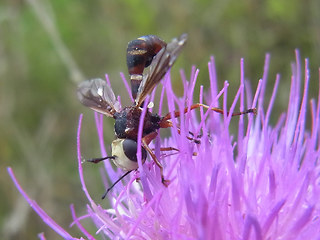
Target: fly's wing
(159, 66)
(98, 95)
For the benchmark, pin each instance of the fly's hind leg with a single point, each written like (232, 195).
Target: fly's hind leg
(166, 123)
(177, 114)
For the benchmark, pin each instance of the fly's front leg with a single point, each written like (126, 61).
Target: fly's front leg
(145, 143)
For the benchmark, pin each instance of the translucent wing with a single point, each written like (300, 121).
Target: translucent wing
(160, 64)
(98, 95)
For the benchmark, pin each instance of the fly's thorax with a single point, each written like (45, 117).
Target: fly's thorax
(127, 122)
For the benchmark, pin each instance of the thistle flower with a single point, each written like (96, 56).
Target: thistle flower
(262, 183)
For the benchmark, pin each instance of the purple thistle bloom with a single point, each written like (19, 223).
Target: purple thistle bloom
(262, 183)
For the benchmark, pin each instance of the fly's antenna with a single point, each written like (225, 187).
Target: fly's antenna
(108, 190)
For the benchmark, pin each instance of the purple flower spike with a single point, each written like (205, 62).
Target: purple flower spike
(262, 183)
(45, 217)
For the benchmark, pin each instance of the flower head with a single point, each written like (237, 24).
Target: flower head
(261, 183)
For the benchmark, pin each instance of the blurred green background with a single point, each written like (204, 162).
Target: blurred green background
(46, 47)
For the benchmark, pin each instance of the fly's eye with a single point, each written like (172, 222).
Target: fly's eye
(130, 150)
